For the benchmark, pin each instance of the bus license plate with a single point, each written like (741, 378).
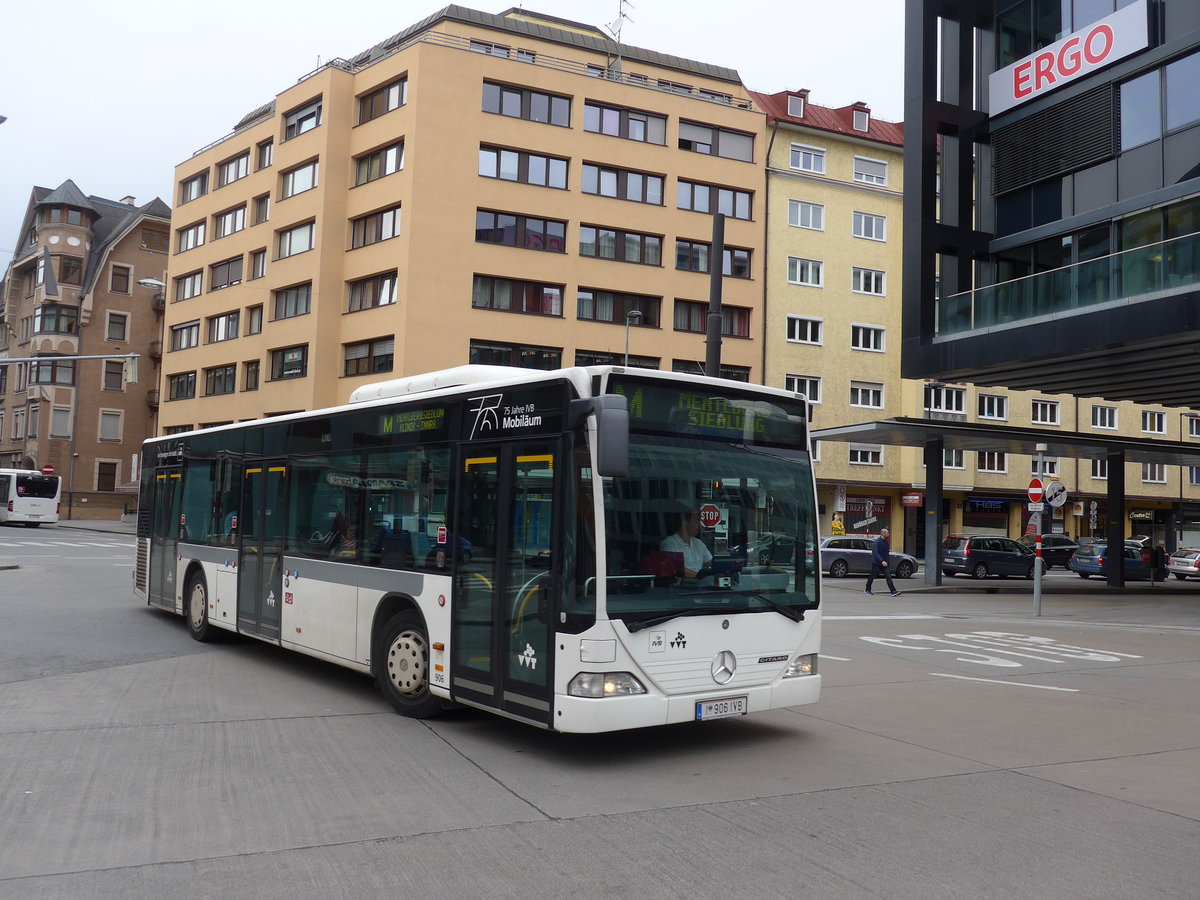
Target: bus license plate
(721, 709)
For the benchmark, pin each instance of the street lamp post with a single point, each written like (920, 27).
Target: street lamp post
(634, 315)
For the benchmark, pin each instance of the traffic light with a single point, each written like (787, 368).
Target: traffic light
(129, 370)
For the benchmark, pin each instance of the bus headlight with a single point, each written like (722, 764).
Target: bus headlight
(802, 665)
(604, 684)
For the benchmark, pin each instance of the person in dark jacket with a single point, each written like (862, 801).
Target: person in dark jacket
(881, 554)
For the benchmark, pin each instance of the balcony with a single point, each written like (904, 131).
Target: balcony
(159, 303)
(152, 399)
(1143, 273)
(155, 351)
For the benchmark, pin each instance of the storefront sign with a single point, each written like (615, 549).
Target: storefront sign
(866, 513)
(1092, 47)
(917, 500)
(1143, 515)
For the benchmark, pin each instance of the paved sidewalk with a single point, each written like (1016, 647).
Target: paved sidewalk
(109, 526)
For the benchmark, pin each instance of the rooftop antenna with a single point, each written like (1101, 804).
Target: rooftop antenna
(615, 30)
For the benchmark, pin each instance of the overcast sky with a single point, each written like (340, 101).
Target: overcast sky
(115, 94)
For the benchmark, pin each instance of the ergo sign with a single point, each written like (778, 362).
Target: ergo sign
(1114, 37)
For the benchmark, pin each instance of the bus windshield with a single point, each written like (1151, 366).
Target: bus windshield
(44, 487)
(716, 514)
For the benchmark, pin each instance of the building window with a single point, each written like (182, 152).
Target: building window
(228, 222)
(952, 459)
(223, 328)
(870, 171)
(60, 422)
(1154, 473)
(293, 301)
(384, 100)
(946, 400)
(992, 461)
(871, 227)
(513, 230)
(384, 161)
(631, 124)
(1193, 426)
(523, 167)
(225, 273)
(1193, 474)
(1049, 467)
(714, 141)
(106, 476)
(623, 246)
(52, 370)
(185, 336)
(262, 209)
(711, 198)
(156, 240)
(867, 337)
(606, 358)
(808, 159)
(188, 286)
(301, 119)
(297, 240)
(803, 331)
(234, 169)
(250, 375)
(114, 375)
(181, 386)
(1045, 412)
(266, 154)
(862, 120)
(220, 380)
(192, 236)
(1153, 422)
(369, 357)
(70, 270)
(118, 327)
(1100, 469)
(254, 317)
(866, 394)
(624, 184)
(611, 306)
(489, 48)
(808, 272)
(808, 385)
(118, 281)
(376, 227)
(868, 281)
(795, 106)
(806, 215)
(692, 316)
(866, 455)
(290, 362)
(258, 263)
(53, 319)
(993, 406)
(191, 188)
(368, 293)
(298, 180)
(1104, 417)
(692, 256)
(521, 355)
(512, 295)
(523, 103)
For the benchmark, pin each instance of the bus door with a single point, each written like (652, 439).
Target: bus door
(262, 527)
(506, 597)
(164, 539)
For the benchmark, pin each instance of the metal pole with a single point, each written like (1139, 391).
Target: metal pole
(634, 315)
(1036, 519)
(716, 267)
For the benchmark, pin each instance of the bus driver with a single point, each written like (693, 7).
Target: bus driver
(696, 556)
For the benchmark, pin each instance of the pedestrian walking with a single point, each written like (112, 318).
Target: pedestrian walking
(881, 555)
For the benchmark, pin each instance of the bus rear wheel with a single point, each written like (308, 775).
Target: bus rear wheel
(402, 669)
(197, 610)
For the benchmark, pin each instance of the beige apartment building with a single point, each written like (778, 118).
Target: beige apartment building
(510, 189)
(72, 290)
(833, 276)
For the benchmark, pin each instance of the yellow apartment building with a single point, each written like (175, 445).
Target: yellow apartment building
(511, 189)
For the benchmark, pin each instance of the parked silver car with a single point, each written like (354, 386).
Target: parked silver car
(1185, 563)
(850, 554)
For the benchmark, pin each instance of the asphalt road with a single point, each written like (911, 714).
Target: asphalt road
(961, 748)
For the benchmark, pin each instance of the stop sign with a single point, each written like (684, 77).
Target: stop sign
(710, 515)
(1035, 490)
(47, 469)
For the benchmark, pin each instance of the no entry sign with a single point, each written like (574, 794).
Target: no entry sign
(1035, 490)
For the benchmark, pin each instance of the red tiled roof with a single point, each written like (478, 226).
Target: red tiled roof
(825, 118)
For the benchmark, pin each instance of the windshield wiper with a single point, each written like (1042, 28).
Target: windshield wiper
(796, 615)
(658, 620)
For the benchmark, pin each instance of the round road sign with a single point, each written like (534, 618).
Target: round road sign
(1055, 493)
(710, 515)
(47, 469)
(1035, 490)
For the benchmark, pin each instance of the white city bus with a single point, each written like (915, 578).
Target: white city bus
(28, 497)
(492, 537)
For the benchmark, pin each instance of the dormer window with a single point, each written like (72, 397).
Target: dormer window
(795, 106)
(862, 119)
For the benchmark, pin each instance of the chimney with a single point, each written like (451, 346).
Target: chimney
(129, 201)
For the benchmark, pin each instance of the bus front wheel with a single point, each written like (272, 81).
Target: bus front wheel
(197, 610)
(403, 667)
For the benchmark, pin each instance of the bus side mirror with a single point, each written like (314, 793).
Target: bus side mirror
(612, 431)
